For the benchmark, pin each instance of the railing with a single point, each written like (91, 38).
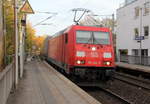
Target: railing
(145, 60)
(6, 83)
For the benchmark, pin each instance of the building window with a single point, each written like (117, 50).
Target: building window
(135, 52)
(137, 12)
(146, 31)
(136, 32)
(123, 51)
(144, 52)
(146, 8)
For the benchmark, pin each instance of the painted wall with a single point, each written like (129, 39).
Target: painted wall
(126, 23)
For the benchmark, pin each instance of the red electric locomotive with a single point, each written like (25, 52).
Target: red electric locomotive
(83, 51)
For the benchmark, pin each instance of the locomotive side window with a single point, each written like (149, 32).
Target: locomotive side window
(66, 38)
(92, 37)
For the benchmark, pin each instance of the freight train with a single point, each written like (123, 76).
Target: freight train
(83, 51)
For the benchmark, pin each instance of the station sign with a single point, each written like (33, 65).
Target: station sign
(139, 38)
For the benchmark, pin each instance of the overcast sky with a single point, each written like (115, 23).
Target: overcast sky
(64, 17)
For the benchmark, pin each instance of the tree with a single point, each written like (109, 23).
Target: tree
(89, 20)
(8, 14)
(34, 44)
(30, 36)
(1, 37)
(39, 43)
(9, 33)
(93, 21)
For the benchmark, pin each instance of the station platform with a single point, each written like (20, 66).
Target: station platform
(42, 84)
(141, 68)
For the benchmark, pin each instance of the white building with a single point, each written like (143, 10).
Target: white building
(133, 28)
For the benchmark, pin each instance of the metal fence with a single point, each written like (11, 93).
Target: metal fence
(145, 60)
(6, 83)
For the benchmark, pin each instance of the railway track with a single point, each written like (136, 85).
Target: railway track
(135, 81)
(102, 94)
(125, 89)
(112, 94)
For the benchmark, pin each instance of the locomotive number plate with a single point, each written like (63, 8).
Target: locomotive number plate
(94, 54)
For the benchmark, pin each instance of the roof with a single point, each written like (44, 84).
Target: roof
(79, 27)
(127, 3)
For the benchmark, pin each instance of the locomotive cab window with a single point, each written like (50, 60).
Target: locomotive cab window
(83, 37)
(101, 38)
(92, 37)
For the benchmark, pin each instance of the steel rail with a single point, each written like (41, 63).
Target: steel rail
(145, 84)
(116, 96)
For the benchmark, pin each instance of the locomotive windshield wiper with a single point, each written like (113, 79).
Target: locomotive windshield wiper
(90, 39)
(97, 42)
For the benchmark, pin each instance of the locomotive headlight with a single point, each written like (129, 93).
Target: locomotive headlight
(80, 54)
(78, 62)
(107, 55)
(93, 48)
(107, 63)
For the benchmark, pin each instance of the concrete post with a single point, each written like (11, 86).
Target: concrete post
(16, 41)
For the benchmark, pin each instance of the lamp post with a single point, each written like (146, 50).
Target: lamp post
(24, 10)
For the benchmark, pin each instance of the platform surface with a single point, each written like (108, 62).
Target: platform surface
(134, 67)
(43, 85)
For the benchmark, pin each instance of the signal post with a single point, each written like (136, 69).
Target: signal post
(19, 36)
